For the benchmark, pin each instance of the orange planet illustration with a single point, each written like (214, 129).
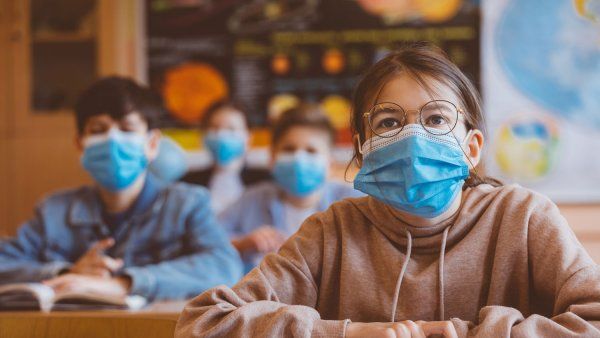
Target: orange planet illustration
(333, 61)
(189, 89)
(280, 64)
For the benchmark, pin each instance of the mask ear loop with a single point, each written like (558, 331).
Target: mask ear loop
(460, 144)
(360, 151)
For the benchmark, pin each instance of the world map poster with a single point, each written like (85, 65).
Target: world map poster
(541, 88)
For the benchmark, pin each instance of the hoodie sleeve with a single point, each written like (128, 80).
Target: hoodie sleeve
(276, 299)
(565, 287)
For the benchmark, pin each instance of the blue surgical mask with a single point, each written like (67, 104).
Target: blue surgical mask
(226, 146)
(171, 162)
(414, 171)
(301, 173)
(115, 159)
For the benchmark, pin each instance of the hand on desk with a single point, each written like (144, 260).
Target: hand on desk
(405, 329)
(95, 263)
(116, 286)
(264, 240)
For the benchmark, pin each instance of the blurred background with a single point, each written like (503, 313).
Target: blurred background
(537, 63)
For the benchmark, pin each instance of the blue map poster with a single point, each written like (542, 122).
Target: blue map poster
(541, 86)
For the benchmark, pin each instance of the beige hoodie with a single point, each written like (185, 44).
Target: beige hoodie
(511, 266)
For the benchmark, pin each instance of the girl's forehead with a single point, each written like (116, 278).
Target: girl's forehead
(409, 93)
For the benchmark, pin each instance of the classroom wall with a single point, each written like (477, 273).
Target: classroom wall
(37, 151)
(585, 222)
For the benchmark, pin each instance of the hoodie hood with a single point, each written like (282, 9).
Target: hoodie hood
(428, 239)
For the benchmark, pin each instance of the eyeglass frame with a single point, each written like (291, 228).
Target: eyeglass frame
(459, 110)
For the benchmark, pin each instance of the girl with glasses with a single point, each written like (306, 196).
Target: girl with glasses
(436, 248)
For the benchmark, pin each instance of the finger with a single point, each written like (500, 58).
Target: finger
(271, 241)
(63, 287)
(56, 280)
(102, 245)
(444, 328)
(98, 271)
(59, 282)
(280, 236)
(415, 330)
(276, 238)
(261, 244)
(389, 333)
(110, 263)
(401, 330)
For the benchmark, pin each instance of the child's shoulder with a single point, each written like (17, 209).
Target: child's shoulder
(342, 213)
(64, 197)
(340, 190)
(260, 191)
(513, 201)
(511, 194)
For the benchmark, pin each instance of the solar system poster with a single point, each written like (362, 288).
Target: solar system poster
(269, 55)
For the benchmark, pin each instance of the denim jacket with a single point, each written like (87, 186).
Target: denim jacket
(173, 250)
(262, 205)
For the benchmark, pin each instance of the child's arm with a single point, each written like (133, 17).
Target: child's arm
(564, 287)
(257, 305)
(210, 260)
(21, 257)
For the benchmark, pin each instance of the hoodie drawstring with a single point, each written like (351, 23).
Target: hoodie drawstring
(401, 276)
(440, 274)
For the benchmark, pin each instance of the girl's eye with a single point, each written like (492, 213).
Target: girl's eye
(389, 123)
(436, 120)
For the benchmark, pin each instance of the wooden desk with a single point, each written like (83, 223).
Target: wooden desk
(155, 321)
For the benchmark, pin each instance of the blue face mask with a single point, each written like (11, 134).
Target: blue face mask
(171, 163)
(116, 159)
(226, 146)
(414, 171)
(300, 174)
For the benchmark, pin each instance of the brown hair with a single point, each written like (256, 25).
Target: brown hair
(421, 60)
(216, 107)
(304, 115)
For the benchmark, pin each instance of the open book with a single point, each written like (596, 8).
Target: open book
(34, 296)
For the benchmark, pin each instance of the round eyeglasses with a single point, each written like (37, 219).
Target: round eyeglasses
(438, 117)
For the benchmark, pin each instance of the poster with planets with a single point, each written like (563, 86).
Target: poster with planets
(270, 55)
(541, 87)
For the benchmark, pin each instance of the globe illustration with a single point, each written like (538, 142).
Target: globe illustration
(526, 148)
(550, 51)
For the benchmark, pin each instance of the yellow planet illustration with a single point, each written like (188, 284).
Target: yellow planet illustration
(589, 9)
(280, 103)
(398, 11)
(438, 10)
(337, 109)
(189, 89)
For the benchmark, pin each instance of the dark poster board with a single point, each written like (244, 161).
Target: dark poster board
(269, 55)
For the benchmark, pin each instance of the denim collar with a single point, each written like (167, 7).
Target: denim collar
(86, 209)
